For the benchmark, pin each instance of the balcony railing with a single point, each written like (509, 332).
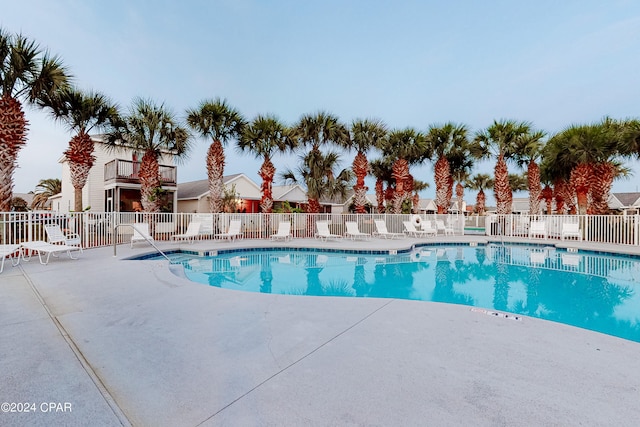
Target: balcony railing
(126, 171)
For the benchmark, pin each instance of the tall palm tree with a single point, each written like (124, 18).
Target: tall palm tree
(528, 152)
(317, 173)
(440, 141)
(381, 170)
(152, 129)
(27, 73)
(499, 140)
(460, 165)
(81, 112)
(556, 177)
(45, 189)
(480, 182)
(418, 186)
(407, 146)
(365, 135)
(217, 120)
(315, 131)
(264, 136)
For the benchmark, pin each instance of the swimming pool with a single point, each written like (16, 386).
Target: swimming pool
(584, 289)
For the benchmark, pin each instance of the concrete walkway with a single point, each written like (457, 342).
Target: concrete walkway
(129, 343)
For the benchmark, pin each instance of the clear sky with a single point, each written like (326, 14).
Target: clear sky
(410, 63)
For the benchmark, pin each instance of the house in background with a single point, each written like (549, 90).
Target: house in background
(113, 184)
(193, 196)
(627, 203)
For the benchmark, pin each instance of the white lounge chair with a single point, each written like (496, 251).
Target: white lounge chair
(56, 236)
(412, 231)
(571, 229)
(235, 225)
(427, 226)
(193, 232)
(538, 228)
(40, 247)
(284, 231)
(323, 231)
(445, 229)
(381, 230)
(9, 251)
(353, 232)
(141, 233)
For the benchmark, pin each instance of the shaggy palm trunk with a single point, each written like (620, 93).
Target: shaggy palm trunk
(380, 195)
(215, 171)
(481, 200)
(442, 174)
(267, 172)
(313, 205)
(547, 195)
(149, 182)
(580, 179)
(81, 160)
(558, 196)
(450, 183)
(502, 189)
(459, 195)
(400, 170)
(360, 169)
(602, 179)
(533, 177)
(13, 136)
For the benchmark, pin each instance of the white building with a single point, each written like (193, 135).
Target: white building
(113, 183)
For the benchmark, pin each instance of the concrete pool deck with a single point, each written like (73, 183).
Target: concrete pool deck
(129, 343)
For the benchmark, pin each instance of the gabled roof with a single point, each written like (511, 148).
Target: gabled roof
(291, 193)
(627, 199)
(199, 189)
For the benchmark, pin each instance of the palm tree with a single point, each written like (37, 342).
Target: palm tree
(460, 165)
(26, 73)
(81, 112)
(365, 135)
(217, 120)
(518, 182)
(264, 136)
(315, 131)
(440, 141)
(317, 173)
(152, 129)
(528, 151)
(381, 170)
(406, 146)
(418, 186)
(45, 189)
(499, 139)
(556, 177)
(480, 182)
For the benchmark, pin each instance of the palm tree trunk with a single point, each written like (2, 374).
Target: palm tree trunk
(400, 170)
(459, 195)
(267, 172)
(81, 160)
(533, 176)
(79, 175)
(360, 169)
(13, 136)
(313, 205)
(215, 172)
(602, 179)
(149, 182)
(380, 195)
(481, 200)
(442, 174)
(547, 195)
(502, 189)
(580, 178)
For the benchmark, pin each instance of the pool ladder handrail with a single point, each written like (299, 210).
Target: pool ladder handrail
(115, 240)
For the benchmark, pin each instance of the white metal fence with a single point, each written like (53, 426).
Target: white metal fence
(97, 229)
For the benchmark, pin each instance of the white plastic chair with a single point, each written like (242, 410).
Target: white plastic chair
(538, 228)
(571, 229)
(9, 251)
(446, 229)
(284, 231)
(55, 236)
(324, 233)
(193, 231)
(411, 230)
(141, 233)
(381, 230)
(354, 233)
(234, 232)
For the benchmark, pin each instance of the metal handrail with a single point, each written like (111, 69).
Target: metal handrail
(115, 241)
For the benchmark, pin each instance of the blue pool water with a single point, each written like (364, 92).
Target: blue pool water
(588, 290)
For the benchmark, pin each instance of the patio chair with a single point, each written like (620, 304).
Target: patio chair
(284, 231)
(571, 229)
(411, 230)
(193, 231)
(141, 233)
(9, 251)
(445, 229)
(41, 248)
(381, 231)
(235, 225)
(428, 227)
(324, 233)
(538, 228)
(354, 233)
(56, 236)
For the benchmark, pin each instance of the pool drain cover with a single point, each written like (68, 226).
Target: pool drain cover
(497, 314)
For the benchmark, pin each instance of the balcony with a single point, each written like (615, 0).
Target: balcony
(126, 172)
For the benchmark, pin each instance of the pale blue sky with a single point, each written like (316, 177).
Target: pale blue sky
(409, 63)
